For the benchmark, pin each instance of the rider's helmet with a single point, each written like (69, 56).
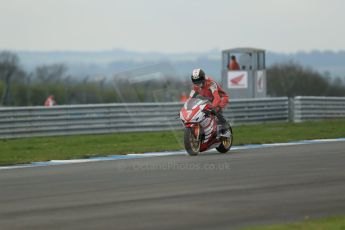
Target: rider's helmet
(198, 76)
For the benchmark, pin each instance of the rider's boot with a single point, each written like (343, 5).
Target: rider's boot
(224, 132)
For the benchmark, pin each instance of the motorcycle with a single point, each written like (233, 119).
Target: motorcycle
(201, 131)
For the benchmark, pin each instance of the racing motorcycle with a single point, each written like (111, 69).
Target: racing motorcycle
(201, 131)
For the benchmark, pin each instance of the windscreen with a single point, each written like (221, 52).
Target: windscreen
(192, 102)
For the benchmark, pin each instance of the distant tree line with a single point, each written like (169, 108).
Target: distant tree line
(291, 79)
(21, 88)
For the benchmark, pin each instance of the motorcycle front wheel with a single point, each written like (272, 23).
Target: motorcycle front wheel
(191, 142)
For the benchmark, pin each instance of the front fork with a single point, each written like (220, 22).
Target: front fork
(196, 130)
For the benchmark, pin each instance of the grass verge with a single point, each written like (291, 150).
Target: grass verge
(334, 223)
(14, 151)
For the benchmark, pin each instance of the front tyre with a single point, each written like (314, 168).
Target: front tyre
(191, 142)
(226, 142)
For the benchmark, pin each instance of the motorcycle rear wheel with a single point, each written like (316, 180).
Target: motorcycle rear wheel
(191, 143)
(226, 144)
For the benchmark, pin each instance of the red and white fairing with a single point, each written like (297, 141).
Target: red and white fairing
(192, 115)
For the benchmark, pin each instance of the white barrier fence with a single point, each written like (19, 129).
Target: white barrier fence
(112, 118)
(318, 108)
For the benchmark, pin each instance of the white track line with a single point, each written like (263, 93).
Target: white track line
(157, 154)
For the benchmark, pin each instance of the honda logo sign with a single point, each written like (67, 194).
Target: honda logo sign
(237, 80)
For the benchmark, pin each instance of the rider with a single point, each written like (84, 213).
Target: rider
(209, 88)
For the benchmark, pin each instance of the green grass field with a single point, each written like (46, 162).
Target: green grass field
(331, 223)
(14, 151)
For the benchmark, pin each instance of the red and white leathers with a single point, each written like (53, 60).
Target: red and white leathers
(213, 92)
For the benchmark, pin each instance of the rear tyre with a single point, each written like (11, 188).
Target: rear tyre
(226, 142)
(191, 143)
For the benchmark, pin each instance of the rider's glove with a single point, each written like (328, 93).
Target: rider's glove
(209, 109)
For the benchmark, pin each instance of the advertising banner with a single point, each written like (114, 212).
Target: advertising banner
(237, 80)
(260, 81)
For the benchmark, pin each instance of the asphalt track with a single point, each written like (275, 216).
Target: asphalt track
(210, 191)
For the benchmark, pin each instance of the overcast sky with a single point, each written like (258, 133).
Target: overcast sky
(172, 26)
